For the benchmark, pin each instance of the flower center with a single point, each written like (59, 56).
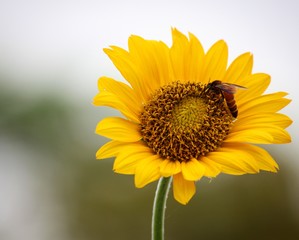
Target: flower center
(185, 121)
(188, 113)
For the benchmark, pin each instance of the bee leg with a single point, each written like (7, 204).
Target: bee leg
(221, 99)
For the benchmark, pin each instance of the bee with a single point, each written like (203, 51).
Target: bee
(227, 90)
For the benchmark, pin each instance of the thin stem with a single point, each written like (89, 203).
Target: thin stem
(159, 208)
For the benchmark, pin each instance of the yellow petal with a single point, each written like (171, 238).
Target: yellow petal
(127, 67)
(266, 119)
(266, 103)
(196, 58)
(260, 134)
(147, 171)
(193, 170)
(179, 53)
(152, 59)
(119, 129)
(186, 57)
(256, 85)
(233, 170)
(183, 190)
(280, 135)
(129, 158)
(212, 169)
(215, 62)
(261, 156)
(169, 168)
(239, 69)
(110, 149)
(234, 161)
(110, 100)
(122, 91)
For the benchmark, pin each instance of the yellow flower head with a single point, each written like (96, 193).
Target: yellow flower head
(187, 114)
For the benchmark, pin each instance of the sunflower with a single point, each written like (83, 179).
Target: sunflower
(177, 123)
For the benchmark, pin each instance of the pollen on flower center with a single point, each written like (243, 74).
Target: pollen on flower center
(185, 120)
(188, 113)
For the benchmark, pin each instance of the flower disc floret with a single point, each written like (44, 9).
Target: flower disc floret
(185, 120)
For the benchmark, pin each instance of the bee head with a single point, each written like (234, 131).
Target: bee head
(211, 85)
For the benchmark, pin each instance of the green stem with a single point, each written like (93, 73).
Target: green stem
(159, 208)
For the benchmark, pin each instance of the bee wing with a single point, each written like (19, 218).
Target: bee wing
(238, 86)
(229, 87)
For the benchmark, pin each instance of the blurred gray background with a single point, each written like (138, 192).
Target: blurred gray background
(51, 56)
